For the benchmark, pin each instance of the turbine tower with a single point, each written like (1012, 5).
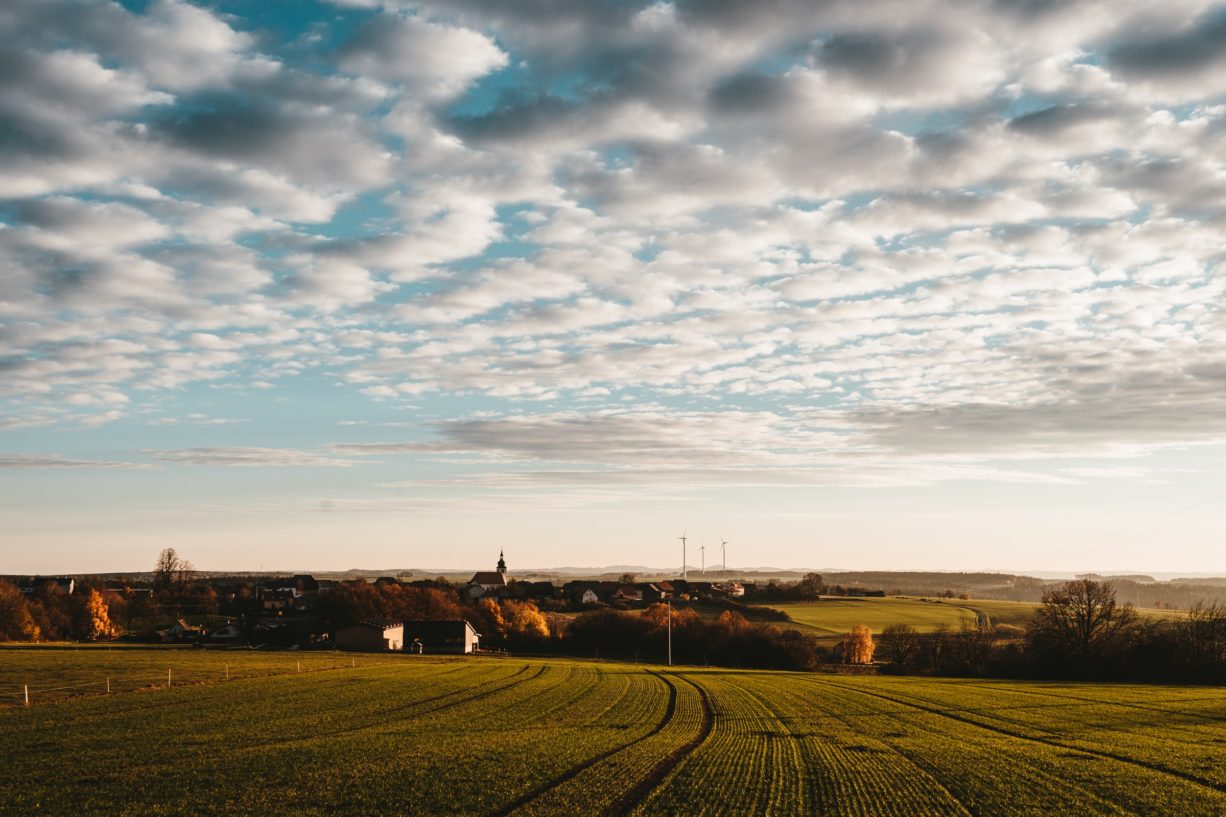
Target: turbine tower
(703, 551)
(682, 538)
(723, 547)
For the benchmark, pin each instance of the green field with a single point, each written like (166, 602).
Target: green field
(483, 736)
(835, 616)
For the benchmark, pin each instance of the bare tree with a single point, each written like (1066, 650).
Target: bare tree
(1081, 620)
(172, 571)
(900, 645)
(1204, 631)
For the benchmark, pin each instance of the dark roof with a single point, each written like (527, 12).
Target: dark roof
(435, 629)
(489, 577)
(378, 623)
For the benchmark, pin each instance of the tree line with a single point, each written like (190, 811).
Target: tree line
(1080, 630)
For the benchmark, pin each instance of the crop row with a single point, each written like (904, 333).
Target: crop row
(993, 769)
(501, 737)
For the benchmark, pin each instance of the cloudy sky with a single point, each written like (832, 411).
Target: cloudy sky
(360, 284)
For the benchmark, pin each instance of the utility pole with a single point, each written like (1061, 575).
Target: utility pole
(670, 631)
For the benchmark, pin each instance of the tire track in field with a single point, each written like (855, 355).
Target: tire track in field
(573, 772)
(636, 795)
(921, 759)
(382, 715)
(925, 773)
(932, 710)
(1196, 719)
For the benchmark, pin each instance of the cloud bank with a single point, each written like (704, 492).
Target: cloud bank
(780, 236)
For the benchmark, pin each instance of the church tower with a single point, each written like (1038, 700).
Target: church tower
(502, 564)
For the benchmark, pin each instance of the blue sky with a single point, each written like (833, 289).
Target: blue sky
(362, 284)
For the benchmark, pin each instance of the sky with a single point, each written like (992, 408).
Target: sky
(890, 285)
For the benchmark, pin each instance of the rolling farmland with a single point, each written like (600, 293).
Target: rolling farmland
(432, 735)
(834, 616)
(831, 617)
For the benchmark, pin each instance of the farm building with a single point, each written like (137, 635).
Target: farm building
(371, 636)
(654, 592)
(46, 585)
(627, 594)
(735, 589)
(456, 637)
(230, 633)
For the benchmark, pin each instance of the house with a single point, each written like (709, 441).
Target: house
(181, 631)
(452, 637)
(47, 585)
(489, 583)
(584, 592)
(627, 593)
(734, 589)
(371, 636)
(653, 592)
(533, 590)
(231, 633)
(277, 598)
(305, 583)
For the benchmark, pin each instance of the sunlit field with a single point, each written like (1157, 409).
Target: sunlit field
(481, 736)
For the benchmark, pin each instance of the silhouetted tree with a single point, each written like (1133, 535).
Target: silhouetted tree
(900, 645)
(172, 572)
(16, 623)
(1080, 627)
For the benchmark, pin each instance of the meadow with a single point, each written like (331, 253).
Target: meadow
(832, 617)
(500, 736)
(836, 615)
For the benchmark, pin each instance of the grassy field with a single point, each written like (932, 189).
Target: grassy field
(479, 736)
(833, 616)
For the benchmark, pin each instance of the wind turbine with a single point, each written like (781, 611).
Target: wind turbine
(682, 538)
(723, 547)
(703, 550)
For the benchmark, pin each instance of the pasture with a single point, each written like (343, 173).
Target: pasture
(485, 736)
(836, 615)
(831, 617)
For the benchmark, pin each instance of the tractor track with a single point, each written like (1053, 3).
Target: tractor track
(573, 772)
(626, 803)
(1056, 744)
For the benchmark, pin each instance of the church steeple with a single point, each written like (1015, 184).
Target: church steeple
(502, 563)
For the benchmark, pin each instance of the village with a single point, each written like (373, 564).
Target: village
(304, 612)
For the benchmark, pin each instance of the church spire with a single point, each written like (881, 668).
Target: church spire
(502, 563)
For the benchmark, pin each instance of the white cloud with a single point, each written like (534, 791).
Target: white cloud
(247, 458)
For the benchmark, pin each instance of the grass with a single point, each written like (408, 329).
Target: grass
(834, 616)
(478, 736)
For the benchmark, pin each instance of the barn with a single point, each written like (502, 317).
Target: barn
(371, 636)
(450, 637)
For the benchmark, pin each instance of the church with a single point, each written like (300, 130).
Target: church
(489, 583)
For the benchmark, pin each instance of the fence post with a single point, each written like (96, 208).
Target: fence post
(168, 678)
(108, 686)
(27, 689)
(227, 672)
(300, 666)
